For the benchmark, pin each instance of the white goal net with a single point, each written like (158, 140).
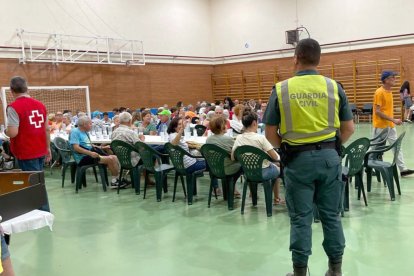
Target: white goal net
(55, 98)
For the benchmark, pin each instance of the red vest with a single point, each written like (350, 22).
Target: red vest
(30, 142)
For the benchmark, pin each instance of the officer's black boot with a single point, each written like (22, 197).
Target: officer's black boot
(335, 269)
(298, 271)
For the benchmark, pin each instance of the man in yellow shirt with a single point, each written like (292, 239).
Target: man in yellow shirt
(383, 116)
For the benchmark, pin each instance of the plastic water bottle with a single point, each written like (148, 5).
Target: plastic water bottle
(98, 132)
(163, 133)
(195, 132)
(187, 132)
(2, 129)
(109, 131)
(105, 132)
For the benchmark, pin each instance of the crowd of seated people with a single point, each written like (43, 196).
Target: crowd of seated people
(218, 118)
(201, 113)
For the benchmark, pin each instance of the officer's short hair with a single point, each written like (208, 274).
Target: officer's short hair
(18, 85)
(248, 118)
(308, 52)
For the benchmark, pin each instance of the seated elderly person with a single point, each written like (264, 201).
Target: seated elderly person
(76, 117)
(136, 119)
(96, 118)
(218, 127)
(164, 120)
(85, 153)
(148, 127)
(208, 118)
(67, 123)
(251, 138)
(236, 122)
(106, 120)
(219, 110)
(57, 124)
(115, 122)
(126, 134)
(175, 131)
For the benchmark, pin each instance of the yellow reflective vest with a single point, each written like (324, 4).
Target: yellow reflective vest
(309, 108)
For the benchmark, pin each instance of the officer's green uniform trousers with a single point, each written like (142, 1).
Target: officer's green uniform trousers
(315, 175)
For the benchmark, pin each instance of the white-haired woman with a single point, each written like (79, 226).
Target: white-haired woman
(66, 123)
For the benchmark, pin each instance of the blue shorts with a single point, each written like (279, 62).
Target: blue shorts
(4, 249)
(271, 172)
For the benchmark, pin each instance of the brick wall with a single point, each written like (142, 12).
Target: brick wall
(113, 86)
(156, 84)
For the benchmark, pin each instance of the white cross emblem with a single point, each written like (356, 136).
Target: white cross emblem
(36, 119)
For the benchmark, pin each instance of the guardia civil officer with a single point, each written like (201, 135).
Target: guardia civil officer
(308, 117)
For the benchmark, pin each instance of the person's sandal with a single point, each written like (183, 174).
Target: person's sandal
(278, 201)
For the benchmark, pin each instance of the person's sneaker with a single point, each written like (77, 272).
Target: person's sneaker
(124, 183)
(407, 172)
(114, 182)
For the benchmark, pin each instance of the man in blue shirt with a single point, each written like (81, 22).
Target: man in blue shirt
(83, 150)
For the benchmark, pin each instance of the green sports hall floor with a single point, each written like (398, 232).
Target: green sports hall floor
(98, 233)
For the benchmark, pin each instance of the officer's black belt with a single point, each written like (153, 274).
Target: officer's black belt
(314, 146)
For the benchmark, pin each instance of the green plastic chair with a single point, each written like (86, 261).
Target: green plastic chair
(177, 154)
(389, 171)
(62, 147)
(54, 157)
(215, 157)
(160, 170)
(123, 152)
(81, 174)
(381, 138)
(354, 156)
(378, 141)
(251, 160)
